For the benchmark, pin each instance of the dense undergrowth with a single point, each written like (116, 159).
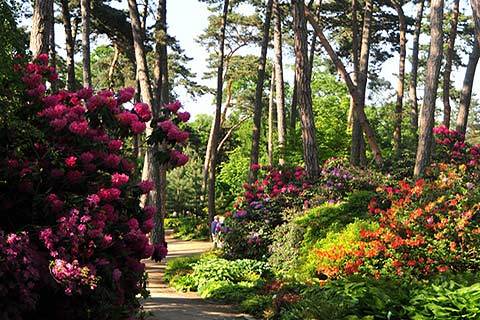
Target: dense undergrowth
(354, 244)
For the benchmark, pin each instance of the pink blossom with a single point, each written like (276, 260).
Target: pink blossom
(149, 211)
(126, 118)
(148, 225)
(109, 194)
(183, 116)
(143, 111)
(71, 161)
(146, 186)
(85, 93)
(43, 58)
(125, 94)
(112, 161)
(119, 179)
(138, 127)
(133, 224)
(86, 157)
(115, 145)
(174, 106)
(79, 127)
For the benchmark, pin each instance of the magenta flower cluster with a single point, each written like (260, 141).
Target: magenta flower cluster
(72, 233)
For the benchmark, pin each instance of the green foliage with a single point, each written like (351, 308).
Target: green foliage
(330, 106)
(179, 266)
(188, 228)
(184, 189)
(446, 299)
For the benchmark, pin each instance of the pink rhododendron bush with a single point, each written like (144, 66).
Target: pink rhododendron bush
(72, 232)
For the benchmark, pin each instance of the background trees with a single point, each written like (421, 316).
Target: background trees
(367, 45)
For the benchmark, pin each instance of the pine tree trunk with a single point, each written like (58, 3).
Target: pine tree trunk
(476, 17)
(218, 114)
(150, 170)
(69, 45)
(434, 62)
(414, 73)
(257, 111)
(85, 11)
(161, 58)
(357, 146)
(279, 82)
(447, 109)
(41, 27)
(113, 65)
(397, 134)
(466, 94)
(304, 94)
(271, 120)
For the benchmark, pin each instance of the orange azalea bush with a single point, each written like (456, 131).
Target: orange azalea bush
(423, 228)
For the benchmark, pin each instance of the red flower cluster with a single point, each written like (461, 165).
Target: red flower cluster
(427, 227)
(454, 147)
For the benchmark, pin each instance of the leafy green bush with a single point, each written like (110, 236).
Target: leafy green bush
(188, 228)
(179, 266)
(446, 299)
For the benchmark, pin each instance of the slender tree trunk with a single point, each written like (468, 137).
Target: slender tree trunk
(41, 27)
(354, 91)
(357, 147)
(52, 47)
(397, 134)
(476, 17)
(111, 70)
(162, 92)
(270, 120)
(447, 109)
(466, 94)
(413, 82)
(294, 107)
(257, 112)
(161, 58)
(431, 85)
(313, 44)
(85, 10)
(304, 93)
(279, 82)
(69, 45)
(149, 170)
(218, 114)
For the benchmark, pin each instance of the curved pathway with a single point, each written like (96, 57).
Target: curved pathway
(167, 304)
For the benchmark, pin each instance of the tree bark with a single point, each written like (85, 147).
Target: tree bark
(279, 82)
(162, 93)
(111, 70)
(397, 134)
(357, 146)
(85, 11)
(355, 91)
(41, 27)
(413, 82)
(69, 45)
(466, 94)
(270, 120)
(257, 111)
(476, 17)
(218, 114)
(304, 94)
(150, 170)
(447, 109)
(162, 89)
(434, 62)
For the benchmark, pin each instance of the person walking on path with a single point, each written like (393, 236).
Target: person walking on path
(214, 230)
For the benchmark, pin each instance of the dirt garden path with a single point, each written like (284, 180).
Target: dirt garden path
(167, 304)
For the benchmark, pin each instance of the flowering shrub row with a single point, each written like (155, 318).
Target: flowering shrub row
(72, 232)
(423, 228)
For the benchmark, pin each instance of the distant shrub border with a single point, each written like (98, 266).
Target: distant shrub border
(72, 232)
